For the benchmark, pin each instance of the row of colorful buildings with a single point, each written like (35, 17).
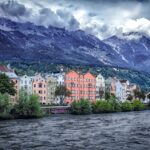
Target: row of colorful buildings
(87, 86)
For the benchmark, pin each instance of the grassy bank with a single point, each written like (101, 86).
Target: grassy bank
(27, 106)
(83, 107)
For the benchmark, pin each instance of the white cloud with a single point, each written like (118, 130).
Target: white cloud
(137, 25)
(100, 18)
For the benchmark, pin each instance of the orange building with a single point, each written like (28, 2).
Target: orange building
(81, 86)
(39, 87)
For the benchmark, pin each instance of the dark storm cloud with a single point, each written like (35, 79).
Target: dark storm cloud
(48, 17)
(12, 8)
(102, 18)
(72, 23)
(91, 14)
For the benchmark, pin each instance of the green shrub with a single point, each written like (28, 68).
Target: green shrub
(5, 106)
(126, 106)
(81, 107)
(138, 105)
(115, 104)
(28, 106)
(102, 107)
(34, 107)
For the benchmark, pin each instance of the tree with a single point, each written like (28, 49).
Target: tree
(101, 92)
(28, 106)
(130, 97)
(107, 95)
(138, 105)
(5, 106)
(126, 106)
(139, 94)
(6, 85)
(61, 92)
(81, 107)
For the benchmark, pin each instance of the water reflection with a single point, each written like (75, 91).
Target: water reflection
(64, 132)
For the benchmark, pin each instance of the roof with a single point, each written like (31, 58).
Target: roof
(123, 81)
(9, 72)
(5, 69)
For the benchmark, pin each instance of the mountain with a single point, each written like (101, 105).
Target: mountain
(134, 48)
(27, 42)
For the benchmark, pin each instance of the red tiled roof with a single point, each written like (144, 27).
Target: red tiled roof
(5, 69)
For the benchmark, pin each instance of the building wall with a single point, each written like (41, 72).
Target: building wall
(60, 79)
(100, 87)
(16, 82)
(39, 87)
(108, 85)
(51, 87)
(81, 86)
(119, 91)
(26, 84)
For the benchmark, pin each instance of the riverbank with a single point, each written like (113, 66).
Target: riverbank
(27, 106)
(84, 107)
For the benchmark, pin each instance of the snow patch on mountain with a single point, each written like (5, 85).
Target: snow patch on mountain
(5, 28)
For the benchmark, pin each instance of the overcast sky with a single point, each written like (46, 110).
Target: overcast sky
(102, 18)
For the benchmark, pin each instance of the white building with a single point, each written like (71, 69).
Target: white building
(119, 91)
(123, 90)
(26, 83)
(59, 77)
(100, 87)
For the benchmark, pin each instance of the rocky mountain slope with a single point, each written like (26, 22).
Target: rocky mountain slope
(26, 42)
(133, 48)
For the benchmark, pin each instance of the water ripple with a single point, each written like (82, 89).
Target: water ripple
(125, 131)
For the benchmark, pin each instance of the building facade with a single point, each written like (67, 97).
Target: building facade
(39, 87)
(81, 86)
(51, 87)
(59, 77)
(119, 91)
(26, 84)
(100, 87)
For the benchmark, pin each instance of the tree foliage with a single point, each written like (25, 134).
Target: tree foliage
(81, 107)
(102, 107)
(138, 105)
(62, 92)
(139, 94)
(5, 106)
(6, 85)
(28, 106)
(126, 106)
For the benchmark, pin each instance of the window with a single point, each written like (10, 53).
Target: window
(40, 85)
(34, 85)
(40, 92)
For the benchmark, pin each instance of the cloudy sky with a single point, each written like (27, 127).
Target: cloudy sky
(101, 18)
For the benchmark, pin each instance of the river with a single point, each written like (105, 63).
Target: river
(117, 131)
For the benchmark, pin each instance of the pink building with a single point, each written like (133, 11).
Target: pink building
(39, 87)
(81, 86)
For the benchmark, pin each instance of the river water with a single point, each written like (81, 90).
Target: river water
(117, 131)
